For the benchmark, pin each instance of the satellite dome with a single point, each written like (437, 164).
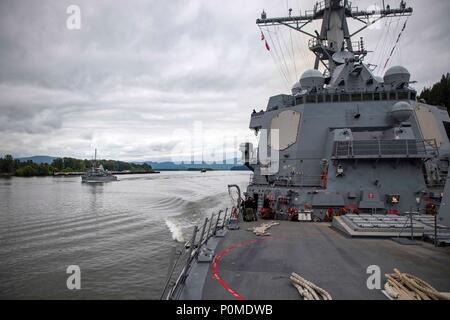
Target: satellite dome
(312, 79)
(396, 75)
(296, 88)
(401, 111)
(341, 57)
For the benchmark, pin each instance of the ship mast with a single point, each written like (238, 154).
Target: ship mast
(334, 35)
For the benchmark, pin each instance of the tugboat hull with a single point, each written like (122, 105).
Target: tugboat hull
(87, 179)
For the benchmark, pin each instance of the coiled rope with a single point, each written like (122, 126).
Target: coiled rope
(404, 286)
(307, 289)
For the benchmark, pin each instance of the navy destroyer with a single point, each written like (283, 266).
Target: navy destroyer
(346, 162)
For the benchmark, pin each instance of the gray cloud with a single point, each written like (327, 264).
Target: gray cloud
(138, 74)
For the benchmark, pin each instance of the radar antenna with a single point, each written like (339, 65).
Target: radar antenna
(334, 35)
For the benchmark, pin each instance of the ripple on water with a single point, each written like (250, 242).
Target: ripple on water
(120, 234)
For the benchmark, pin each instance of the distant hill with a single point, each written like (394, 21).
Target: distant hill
(38, 159)
(240, 168)
(231, 164)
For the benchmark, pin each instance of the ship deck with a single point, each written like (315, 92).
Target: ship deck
(252, 267)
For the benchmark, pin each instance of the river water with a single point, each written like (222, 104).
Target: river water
(120, 233)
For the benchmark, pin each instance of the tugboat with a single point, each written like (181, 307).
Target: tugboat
(97, 174)
(354, 168)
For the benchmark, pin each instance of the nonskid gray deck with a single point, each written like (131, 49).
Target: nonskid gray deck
(320, 254)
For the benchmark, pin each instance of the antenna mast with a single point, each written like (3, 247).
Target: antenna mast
(334, 35)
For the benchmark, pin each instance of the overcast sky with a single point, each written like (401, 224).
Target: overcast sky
(141, 76)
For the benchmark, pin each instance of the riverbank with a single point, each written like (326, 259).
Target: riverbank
(10, 167)
(67, 174)
(56, 174)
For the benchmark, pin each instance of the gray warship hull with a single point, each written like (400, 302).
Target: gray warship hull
(347, 141)
(356, 163)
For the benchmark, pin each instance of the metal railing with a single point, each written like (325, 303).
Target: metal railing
(439, 181)
(327, 44)
(321, 5)
(181, 261)
(407, 148)
(295, 180)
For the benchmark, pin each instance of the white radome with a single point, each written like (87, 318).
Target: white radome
(312, 79)
(396, 75)
(401, 111)
(296, 88)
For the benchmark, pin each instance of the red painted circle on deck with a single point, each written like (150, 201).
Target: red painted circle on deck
(215, 267)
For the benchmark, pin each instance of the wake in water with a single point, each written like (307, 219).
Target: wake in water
(176, 230)
(193, 212)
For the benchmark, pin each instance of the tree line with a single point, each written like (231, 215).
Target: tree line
(439, 93)
(14, 167)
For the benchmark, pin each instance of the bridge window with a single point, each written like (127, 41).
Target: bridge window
(403, 95)
(367, 97)
(311, 99)
(356, 97)
(345, 97)
(376, 96)
(320, 98)
(335, 98)
(392, 96)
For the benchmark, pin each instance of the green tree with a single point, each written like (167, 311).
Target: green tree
(58, 164)
(43, 170)
(26, 171)
(439, 93)
(8, 165)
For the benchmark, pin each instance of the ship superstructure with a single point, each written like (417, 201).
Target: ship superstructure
(347, 147)
(97, 174)
(345, 140)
